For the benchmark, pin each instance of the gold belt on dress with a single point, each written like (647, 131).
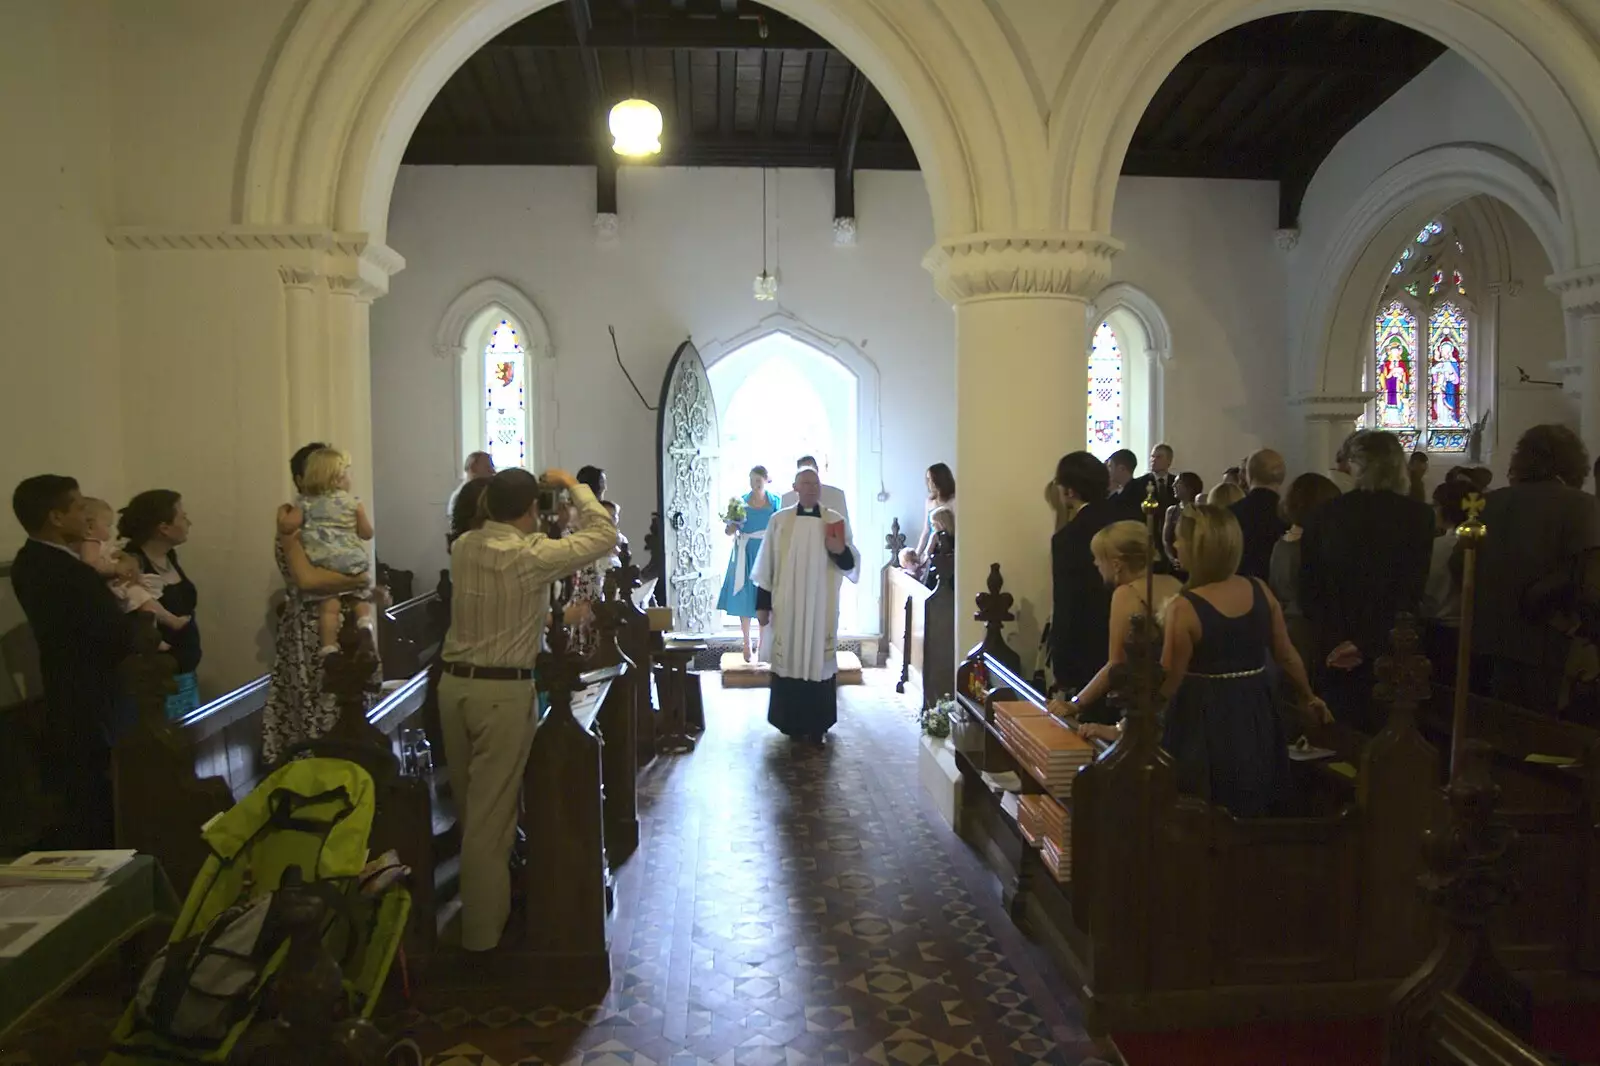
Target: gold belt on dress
(1228, 677)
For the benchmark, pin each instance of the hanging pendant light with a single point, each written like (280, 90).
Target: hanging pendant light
(635, 129)
(766, 284)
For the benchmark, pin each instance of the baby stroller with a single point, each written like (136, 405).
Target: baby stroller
(300, 838)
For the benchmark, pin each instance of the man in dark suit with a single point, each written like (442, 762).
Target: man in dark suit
(82, 635)
(1260, 520)
(1364, 559)
(1162, 476)
(1126, 491)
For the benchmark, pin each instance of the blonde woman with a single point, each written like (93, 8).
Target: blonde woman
(1122, 555)
(1225, 494)
(1222, 725)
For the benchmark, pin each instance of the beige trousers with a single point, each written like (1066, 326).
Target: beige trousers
(488, 728)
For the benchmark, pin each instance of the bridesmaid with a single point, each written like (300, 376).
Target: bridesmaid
(738, 596)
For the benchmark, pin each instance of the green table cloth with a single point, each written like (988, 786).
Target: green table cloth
(135, 897)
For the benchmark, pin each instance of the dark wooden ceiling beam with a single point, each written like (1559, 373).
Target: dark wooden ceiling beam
(1311, 57)
(844, 167)
(730, 7)
(481, 150)
(727, 85)
(682, 31)
(771, 83)
(811, 94)
(1229, 110)
(599, 153)
(683, 90)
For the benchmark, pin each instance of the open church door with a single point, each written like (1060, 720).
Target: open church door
(686, 467)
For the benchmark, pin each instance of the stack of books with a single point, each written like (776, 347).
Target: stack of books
(1047, 749)
(1048, 828)
(65, 865)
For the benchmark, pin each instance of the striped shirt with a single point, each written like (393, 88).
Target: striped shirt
(501, 578)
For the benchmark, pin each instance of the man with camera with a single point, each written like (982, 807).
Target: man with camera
(502, 576)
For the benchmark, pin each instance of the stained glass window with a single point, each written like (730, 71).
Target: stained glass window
(505, 397)
(1105, 392)
(1422, 354)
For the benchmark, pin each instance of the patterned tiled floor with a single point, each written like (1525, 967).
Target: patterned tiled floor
(792, 905)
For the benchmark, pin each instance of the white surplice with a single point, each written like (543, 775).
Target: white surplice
(793, 564)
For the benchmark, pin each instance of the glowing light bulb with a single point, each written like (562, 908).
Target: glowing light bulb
(635, 129)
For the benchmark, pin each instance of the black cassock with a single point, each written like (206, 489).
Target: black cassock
(804, 708)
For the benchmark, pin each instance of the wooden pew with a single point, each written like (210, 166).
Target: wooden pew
(1553, 804)
(919, 624)
(170, 778)
(1176, 914)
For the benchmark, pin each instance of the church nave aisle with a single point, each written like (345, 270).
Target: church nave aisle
(794, 905)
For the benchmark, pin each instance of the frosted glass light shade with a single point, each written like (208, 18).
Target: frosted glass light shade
(766, 287)
(635, 129)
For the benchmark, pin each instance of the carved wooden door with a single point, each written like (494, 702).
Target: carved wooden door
(686, 462)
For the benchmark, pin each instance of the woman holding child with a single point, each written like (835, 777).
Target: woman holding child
(153, 526)
(297, 708)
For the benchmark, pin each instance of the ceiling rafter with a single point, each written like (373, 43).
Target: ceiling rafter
(844, 167)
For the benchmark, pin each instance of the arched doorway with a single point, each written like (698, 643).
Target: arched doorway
(779, 398)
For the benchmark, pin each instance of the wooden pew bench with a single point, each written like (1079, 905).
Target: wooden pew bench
(918, 624)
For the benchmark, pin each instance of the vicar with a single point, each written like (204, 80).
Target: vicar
(798, 575)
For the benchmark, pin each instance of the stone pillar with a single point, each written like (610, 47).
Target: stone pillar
(1327, 420)
(1580, 299)
(1022, 348)
(307, 392)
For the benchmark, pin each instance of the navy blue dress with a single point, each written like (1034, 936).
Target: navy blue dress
(1223, 727)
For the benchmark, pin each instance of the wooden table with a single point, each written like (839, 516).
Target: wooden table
(135, 897)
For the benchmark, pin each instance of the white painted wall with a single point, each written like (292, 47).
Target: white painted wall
(690, 248)
(1204, 251)
(61, 407)
(1450, 102)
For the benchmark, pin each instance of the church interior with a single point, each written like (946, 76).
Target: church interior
(1250, 714)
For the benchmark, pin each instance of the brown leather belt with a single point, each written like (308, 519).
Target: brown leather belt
(488, 673)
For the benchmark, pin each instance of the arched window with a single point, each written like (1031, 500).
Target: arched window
(505, 403)
(1105, 392)
(1423, 346)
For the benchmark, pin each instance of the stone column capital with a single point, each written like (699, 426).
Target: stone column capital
(1579, 290)
(986, 266)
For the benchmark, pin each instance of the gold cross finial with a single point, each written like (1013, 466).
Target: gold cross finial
(1150, 505)
(1472, 529)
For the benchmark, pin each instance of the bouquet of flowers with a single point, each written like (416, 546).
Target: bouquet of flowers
(936, 719)
(735, 512)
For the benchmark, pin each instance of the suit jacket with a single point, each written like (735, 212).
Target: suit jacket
(1080, 622)
(1128, 502)
(1534, 530)
(1364, 558)
(1262, 528)
(82, 635)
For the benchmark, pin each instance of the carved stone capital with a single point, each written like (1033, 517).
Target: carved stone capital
(449, 351)
(297, 278)
(997, 265)
(1509, 289)
(1286, 239)
(1330, 407)
(844, 232)
(350, 263)
(1579, 290)
(607, 229)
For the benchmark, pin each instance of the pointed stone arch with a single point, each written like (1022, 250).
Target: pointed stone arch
(460, 337)
(1534, 52)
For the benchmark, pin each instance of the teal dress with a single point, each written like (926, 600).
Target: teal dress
(738, 596)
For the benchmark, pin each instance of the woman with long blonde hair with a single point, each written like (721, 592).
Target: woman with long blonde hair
(1122, 554)
(1222, 634)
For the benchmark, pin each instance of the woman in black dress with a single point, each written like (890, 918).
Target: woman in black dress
(1223, 728)
(154, 525)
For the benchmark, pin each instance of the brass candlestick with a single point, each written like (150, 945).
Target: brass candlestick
(1471, 533)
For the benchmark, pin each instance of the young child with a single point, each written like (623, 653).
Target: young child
(120, 569)
(334, 525)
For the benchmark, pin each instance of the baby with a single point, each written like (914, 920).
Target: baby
(120, 569)
(334, 525)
